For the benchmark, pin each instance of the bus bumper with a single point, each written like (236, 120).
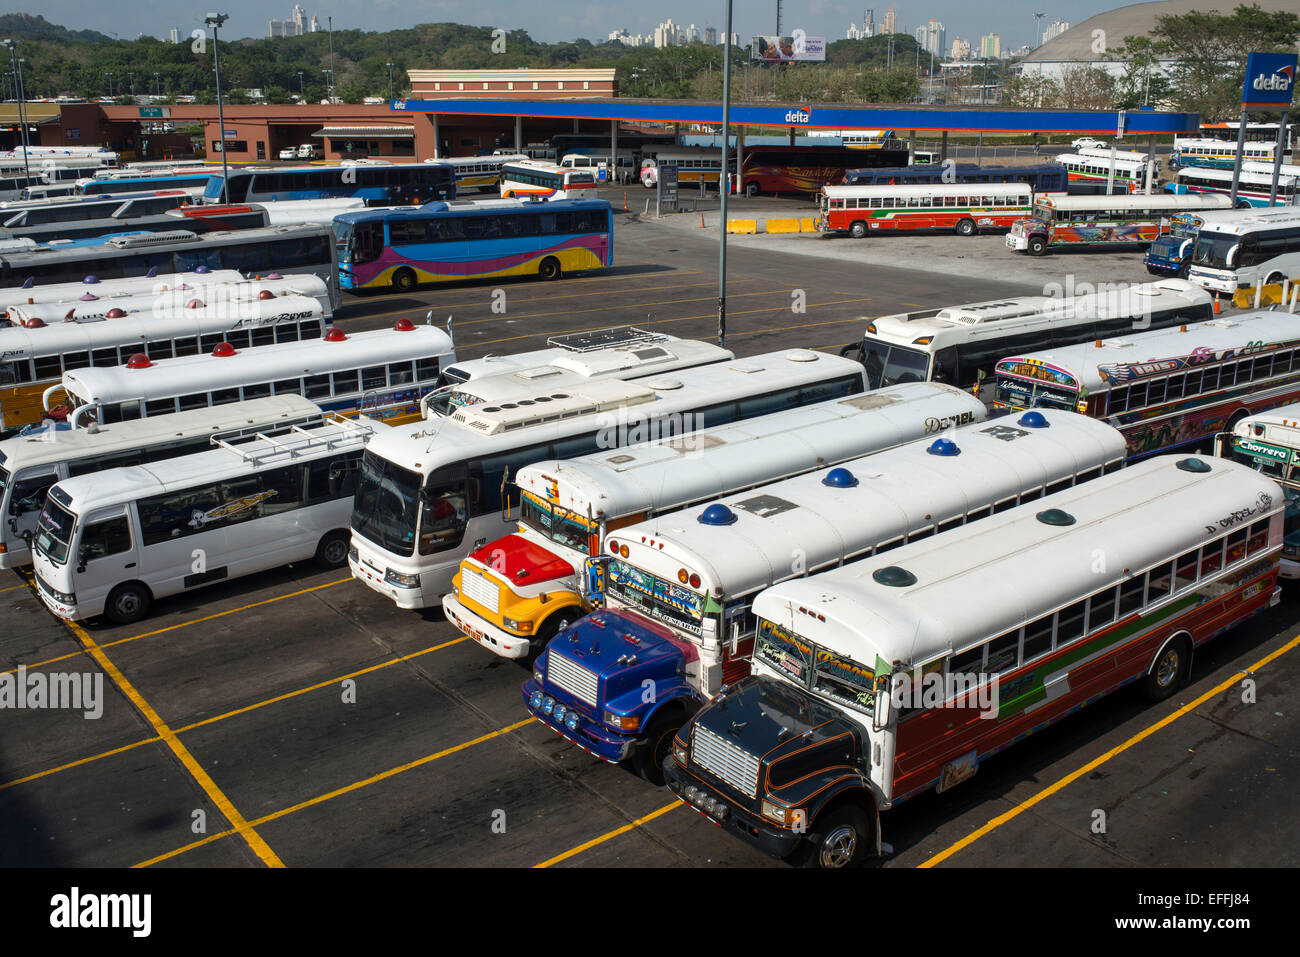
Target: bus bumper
(1213, 283)
(60, 609)
(490, 636)
(738, 821)
(366, 572)
(1019, 243)
(595, 739)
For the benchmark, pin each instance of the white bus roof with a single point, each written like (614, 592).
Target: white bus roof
(496, 159)
(990, 577)
(47, 446)
(1264, 176)
(281, 360)
(999, 317)
(1286, 416)
(899, 490)
(474, 430)
(541, 165)
(18, 342)
(932, 189)
(1090, 363)
(1137, 201)
(63, 291)
(660, 474)
(154, 303)
(1201, 142)
(1104, 151)
(1102, 158)
(121, 485)
(291, 212)
(572, 369)
(1239, 222)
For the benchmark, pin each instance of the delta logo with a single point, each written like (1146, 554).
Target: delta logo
(1279, 82)
(803, 115)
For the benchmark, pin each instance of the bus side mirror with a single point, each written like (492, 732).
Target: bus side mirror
(884, 708)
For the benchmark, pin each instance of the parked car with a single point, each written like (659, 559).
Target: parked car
(310, 151)
(289, 153)
(1087, 143)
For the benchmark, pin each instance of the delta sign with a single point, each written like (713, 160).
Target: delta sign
(1270, 80)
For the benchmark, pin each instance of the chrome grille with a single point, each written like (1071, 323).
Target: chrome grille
(719, 756)
(480, 588)
(573, 678)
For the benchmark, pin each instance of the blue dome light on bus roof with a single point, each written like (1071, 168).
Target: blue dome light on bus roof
(91, 280)
(717, 515)
(1034, 419)
(840, 478)
(202, 269)
(943, 447)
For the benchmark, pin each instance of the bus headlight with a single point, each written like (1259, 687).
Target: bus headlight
(781, 815)
(514, 625)
(622, 722)
(571, 720)
(401, 580)
(679, 752)
(353, 554)
(535, 700)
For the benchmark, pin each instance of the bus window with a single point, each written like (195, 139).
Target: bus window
(443, 515)
(101, 539)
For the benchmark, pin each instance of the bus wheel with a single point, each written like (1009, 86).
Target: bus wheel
(1184, 270)
(404, 280)
(840, 839)
(1274, 279)
(1154, 271)
(965, 227)
(332, 552)
(550, 268)
(1037, 246)
(650, 754)
(858, 230)
(751, 190)
(1170, 670)
(128, 603)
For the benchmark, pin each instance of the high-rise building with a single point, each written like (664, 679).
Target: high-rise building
(298, 16)
(869, 23)
(853, 33)
(667, 34)
(960, 49)
(315, 24)
(990, 46)
(175, 35)
(293, 26)
(1055, 29)
(890, 23)
(692, 34)
(711, 36)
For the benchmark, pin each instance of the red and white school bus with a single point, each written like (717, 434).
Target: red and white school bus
(965, 208)
(900, 673)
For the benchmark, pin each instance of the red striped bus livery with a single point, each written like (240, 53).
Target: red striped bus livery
(965, 208)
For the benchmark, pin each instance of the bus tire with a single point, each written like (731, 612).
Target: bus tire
(842, 837)
(1184, 270)
(1274, 279)
(751, 190)
(550, 268)
(332, 552)
(648, 760)
(404, 280)
(965, 227)
(1169, 669)
(1154, 271)
(128, 603)
(548, 629)
(1037, 245)
(858, 230)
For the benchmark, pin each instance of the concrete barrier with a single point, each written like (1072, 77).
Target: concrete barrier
(747, 226)
(808, 225)
(782, 226)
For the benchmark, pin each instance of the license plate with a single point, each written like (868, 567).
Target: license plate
(1250, 592)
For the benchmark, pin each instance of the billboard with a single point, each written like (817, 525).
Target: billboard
(785, 49)
(1270, 79)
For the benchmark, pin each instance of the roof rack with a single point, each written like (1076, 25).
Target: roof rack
(300, 441)
(151, 239)
(605, 338)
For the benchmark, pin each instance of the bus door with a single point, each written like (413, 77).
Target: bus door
(26, 500)
(737, 638)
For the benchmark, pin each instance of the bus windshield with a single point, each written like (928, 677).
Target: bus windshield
(359, 243)
(387, 504)
(556, 524)
(1019, 394)
(54, 532)
(890, 365)
(1212, 249)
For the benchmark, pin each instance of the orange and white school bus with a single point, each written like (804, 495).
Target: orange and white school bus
(965, 208)
(887, 677)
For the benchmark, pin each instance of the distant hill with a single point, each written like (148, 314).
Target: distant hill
(27, 27)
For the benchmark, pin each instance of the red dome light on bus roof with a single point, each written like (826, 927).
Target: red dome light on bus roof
(194, 304)
(35, 322)
(335, 335)
(223, 350)
(116, 313)
(138, 361)
(404, 325)
(266, 294)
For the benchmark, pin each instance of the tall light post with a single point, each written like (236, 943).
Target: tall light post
(157, 83)
(726, 181)
(331, 70)
(302, 90)
(1038, 29)
(110, 85)
(390, 80)
(216, 21)
(12, 46)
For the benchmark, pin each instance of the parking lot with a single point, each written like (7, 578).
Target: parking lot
(297, 718)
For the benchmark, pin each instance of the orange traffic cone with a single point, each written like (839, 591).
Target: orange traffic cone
(1217, 309)
(625, 201)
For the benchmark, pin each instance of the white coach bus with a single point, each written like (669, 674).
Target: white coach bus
(432, 493)
(30, 464)
(1270, 443)
(568, 507)
(114, 542)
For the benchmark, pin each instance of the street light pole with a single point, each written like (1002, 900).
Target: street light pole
(12, 46)
(726, 182)
(216, 21)
(390, 80)
(110, 85)
(331, 87)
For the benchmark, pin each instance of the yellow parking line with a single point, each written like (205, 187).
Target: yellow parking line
(1098, 762)
(201, 777)
(612, 834)
(186, 624)
(230, 714)
(12, 588)
(346, 789)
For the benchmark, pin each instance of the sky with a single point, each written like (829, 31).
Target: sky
(552, 20)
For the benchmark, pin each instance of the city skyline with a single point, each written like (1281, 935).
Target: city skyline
(1013, 20)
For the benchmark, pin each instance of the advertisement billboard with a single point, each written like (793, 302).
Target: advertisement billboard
(798, 47)
(1270, 80)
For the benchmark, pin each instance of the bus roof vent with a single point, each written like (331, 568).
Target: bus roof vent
(801, 355)
(893, 576)
(152, 239)
(605, 338)
(527, 413)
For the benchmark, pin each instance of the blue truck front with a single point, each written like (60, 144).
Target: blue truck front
(1169, 255)
(618, 685)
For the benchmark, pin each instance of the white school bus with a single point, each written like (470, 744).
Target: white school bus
(1269, 442)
